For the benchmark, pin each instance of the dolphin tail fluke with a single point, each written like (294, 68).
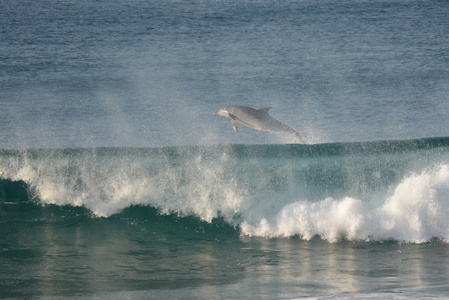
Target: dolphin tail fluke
(298, 135)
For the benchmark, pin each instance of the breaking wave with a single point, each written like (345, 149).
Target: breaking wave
(386, 190)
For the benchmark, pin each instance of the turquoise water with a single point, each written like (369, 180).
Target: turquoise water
(234, 221)
(116, 180)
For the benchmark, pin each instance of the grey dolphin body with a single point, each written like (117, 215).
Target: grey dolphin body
(257, 119)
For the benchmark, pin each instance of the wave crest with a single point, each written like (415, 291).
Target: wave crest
(417, 211)
(362, 191)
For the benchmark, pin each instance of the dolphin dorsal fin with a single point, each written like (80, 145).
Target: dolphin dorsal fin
(265, 109)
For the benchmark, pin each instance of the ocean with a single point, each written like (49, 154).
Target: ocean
(118, 182)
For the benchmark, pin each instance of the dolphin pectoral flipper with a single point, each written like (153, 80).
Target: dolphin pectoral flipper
(234, 122)
(234, 126)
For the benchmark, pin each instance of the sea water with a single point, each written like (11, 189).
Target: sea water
(116, 180)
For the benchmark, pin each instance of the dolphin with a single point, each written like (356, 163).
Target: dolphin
(257, 119)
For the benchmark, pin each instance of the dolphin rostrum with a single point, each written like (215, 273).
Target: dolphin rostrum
(257, 119)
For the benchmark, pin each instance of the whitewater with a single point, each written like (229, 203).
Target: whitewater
(391, 190)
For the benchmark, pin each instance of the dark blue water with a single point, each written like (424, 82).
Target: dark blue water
(116, 181)
(147, 73)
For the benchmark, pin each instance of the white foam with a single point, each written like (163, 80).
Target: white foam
(106, 185)
(417, 211)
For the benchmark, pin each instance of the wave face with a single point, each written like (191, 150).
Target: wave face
(385, 190)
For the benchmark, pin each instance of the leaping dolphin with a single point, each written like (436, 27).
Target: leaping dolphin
(257, 119)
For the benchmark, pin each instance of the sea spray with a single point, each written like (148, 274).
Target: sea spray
(183, 181)
(357, 191)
